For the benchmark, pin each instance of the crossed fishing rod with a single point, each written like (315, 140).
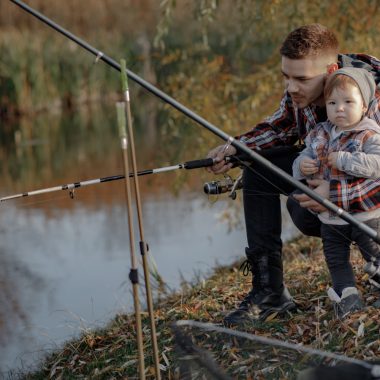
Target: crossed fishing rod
(195, 164)
(125, 108)
(242, 148)
(215, 187)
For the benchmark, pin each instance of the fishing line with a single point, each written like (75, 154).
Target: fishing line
(283, 192)
(237, 144)
(251, 168)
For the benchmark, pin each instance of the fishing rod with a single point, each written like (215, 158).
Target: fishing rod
(133, 274)
(194, 164)
(373, 368)
(143, 245)
(235, 160)
(241, 148)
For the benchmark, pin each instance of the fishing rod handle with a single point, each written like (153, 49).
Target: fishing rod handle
(236, 159)
(196, 164)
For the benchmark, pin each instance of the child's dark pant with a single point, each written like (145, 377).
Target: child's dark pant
(336, 246)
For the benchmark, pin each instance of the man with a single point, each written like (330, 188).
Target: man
(308, 54)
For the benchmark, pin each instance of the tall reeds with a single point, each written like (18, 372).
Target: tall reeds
(38, 73)
(40, 69)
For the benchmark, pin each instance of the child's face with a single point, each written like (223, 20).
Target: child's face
(345, 107)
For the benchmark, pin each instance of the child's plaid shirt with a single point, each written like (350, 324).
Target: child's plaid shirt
(351, 163)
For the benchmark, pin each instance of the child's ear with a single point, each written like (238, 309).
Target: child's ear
(332, 67)
(365, 109)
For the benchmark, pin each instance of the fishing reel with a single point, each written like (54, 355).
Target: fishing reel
(227, 184)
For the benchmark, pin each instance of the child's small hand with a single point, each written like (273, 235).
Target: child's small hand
(332, 160)
(309, 166)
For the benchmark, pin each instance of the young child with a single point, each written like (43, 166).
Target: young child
(346, 146)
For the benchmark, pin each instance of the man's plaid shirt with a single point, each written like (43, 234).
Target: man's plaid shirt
(289, 124)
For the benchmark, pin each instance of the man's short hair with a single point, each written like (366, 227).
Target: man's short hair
(309, 40)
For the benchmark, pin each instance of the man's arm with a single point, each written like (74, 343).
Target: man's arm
(276, 130)
(352, 196)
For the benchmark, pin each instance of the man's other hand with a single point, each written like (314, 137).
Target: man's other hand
(322, 188)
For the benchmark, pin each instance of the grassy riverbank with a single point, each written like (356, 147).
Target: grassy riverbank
(111, 353)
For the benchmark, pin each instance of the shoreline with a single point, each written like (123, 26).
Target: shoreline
(111, 352)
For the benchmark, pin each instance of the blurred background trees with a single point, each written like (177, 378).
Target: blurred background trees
(219, 58)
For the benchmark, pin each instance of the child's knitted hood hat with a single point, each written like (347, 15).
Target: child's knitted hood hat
(363, 79)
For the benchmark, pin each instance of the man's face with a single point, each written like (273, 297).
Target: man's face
(304, 79)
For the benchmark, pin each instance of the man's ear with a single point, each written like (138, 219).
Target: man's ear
(332, 67)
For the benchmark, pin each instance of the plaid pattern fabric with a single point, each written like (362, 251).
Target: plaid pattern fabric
(289, 124)
(360, 194)
(321, 145)
(356, 196)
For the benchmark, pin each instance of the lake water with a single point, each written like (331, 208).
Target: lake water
(64, 263)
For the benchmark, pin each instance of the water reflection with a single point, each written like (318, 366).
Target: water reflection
(69, 271)
(65, 263)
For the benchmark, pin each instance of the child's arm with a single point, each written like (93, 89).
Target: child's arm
(305, 158)
(365, 164)
(308, 166)
(305, 164)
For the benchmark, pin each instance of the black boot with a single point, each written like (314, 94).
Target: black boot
(266, 269)
(276, 302)
(257, 264)
(278, 298)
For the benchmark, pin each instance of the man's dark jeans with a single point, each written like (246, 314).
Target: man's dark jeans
(262, 210)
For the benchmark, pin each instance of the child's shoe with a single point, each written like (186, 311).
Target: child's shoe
(349, 301)
(373, 273)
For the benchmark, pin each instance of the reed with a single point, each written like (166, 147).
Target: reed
(44, 73)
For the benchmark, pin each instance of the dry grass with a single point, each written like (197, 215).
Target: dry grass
(111, 353)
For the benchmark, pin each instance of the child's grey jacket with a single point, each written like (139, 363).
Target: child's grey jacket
(358, 156)
(358, 151)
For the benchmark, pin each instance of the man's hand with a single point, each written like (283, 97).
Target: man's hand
(218, 155)
(322, 188)
(309, 166)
